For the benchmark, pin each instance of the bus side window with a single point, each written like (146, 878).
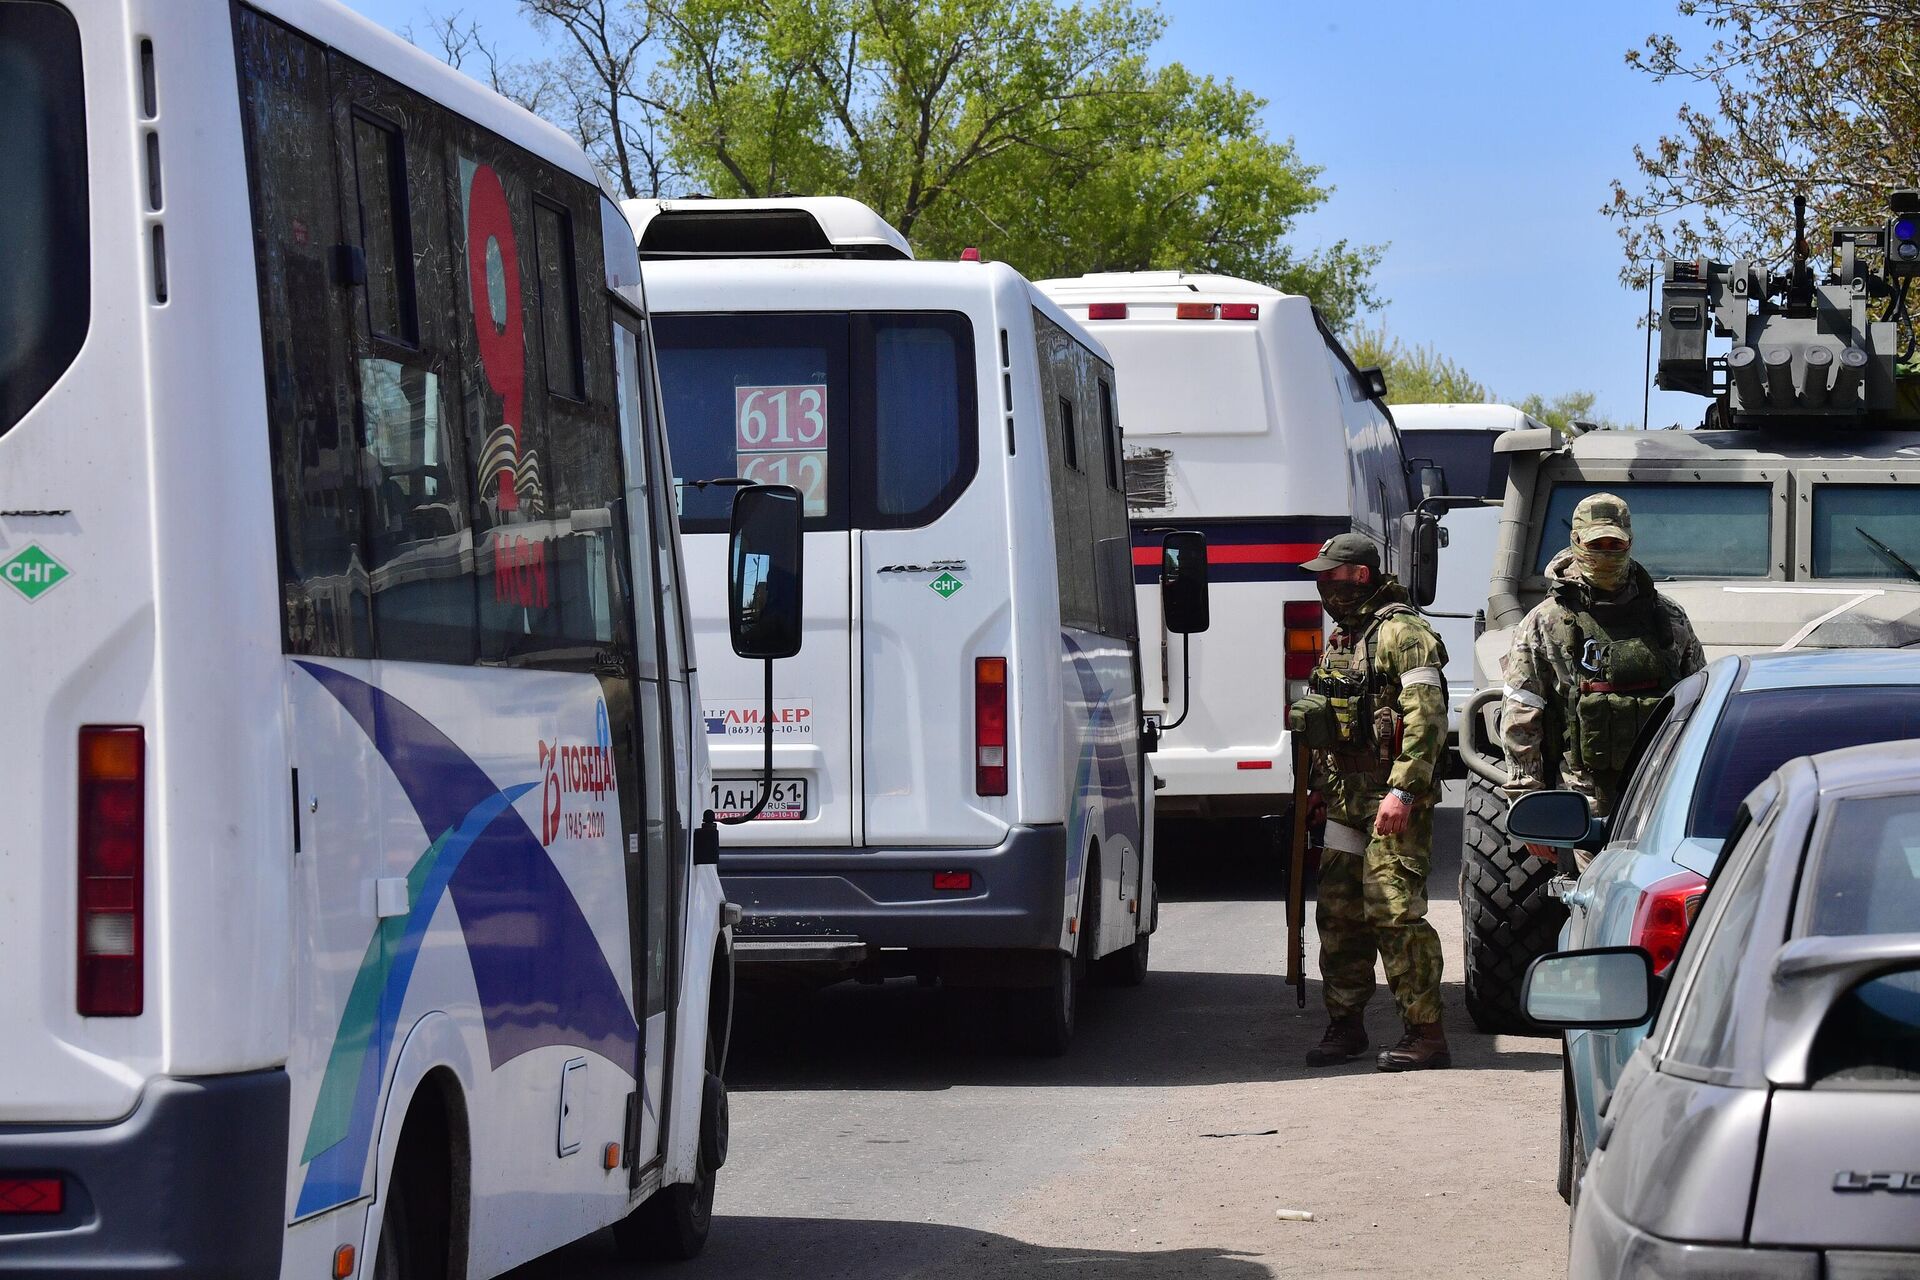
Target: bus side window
(386, 230)
(559, 299)
(310, 415)
(1110, 434)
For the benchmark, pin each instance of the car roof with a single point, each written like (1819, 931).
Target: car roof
(1801, 669)
(1464, 417)
(1874, 763)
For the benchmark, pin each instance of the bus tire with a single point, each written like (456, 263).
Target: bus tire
(1506, 916)
(673, 1223)
(1044, 1014)
(1126, 967)
(416, 1226)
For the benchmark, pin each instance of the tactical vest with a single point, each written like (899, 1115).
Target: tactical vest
(1622, 672)
(1343, 713)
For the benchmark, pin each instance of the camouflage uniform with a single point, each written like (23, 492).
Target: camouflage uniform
(1373, 888)
(1545, 677)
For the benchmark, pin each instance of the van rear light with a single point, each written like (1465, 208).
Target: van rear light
(1106, 311)
(32, 1195)
(1239, 311)
(112, 866)
(1196, 311)
(1303, 623)
(1665, 912)
(990, 726)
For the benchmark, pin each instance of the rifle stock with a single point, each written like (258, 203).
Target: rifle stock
(1297, 875)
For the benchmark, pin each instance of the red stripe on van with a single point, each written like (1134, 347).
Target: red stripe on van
(1248, 553)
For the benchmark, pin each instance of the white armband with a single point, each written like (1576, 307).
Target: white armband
(1423, 675)
(1526, 698)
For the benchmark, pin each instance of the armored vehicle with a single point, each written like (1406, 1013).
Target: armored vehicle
(1790, 520)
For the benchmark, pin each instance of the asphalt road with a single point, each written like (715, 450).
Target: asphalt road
(882, 1132)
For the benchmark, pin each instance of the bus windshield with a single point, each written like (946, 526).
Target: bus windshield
(1866, 531)
(870, 415)
(1679, 530)
(43, 220)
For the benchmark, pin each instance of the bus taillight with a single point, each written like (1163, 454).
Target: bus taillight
(990, 726)
(1302, 621)
(113, 855)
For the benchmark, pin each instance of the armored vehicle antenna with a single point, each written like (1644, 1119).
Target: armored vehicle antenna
(1806, 351)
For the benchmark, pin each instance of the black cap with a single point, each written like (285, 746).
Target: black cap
(1345, 548)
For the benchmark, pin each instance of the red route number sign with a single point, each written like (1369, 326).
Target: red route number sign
(780, 437)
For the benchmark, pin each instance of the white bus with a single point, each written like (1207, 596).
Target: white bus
(1246, 421)
(962, 791)
(350, 908)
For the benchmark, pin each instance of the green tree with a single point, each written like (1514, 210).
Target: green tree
(1035, 130)
(1809, 96)
(1566, 409)
(1416, 374)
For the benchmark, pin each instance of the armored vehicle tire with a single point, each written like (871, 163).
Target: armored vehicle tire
(1505, 912)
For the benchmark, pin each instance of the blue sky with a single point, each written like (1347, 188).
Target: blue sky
(1475, 140)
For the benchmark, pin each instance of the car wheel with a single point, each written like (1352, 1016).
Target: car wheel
(1506, 916)
(1126, 967)
(673, 1223)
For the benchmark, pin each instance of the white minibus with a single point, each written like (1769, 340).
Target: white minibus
(961, 790)
(355, 912)
(1246, 421)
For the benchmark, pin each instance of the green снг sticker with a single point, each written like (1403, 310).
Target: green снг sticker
(33, 572)
(946, 584)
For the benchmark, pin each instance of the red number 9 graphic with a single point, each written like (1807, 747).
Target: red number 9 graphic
(497, 321)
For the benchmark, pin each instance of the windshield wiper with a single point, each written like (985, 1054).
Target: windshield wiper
(1901, 562)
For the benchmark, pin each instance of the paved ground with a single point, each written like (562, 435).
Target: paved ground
(880, 1132)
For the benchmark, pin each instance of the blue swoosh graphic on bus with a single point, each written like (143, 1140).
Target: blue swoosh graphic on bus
(1103, 761)
(538, 968)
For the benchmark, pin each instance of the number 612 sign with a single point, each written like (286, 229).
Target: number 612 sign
(780, 437)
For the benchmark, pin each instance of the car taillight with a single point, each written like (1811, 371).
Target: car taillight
(112, 865)
(1106, 311)
(990, 726)
(1664, 914)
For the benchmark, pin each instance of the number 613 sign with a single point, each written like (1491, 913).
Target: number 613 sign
(780, 437)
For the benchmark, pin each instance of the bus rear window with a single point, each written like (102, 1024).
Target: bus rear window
(870, 415)
(1679, 530)
(43, 220)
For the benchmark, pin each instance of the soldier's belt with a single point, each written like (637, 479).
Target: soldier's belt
(1344, 839)
(1610, 686)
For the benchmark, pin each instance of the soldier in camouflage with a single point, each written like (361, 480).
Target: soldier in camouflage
(1589, 664)
(1376, 717)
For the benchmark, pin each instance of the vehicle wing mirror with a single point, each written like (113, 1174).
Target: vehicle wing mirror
(1420, 553)
(1430, 479)
(1183, 582)
(1603, 988)
(764, 572)
(1563, 818)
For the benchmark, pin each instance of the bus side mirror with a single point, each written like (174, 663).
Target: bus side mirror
(1183, 582)
(1420, 552)
(764, 570)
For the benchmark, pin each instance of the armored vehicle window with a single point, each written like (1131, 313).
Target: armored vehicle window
(1763, 730)
(1848, 519)
(1679, 530)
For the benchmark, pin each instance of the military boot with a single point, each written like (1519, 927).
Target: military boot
(1346, 1039)
(1422, 1048)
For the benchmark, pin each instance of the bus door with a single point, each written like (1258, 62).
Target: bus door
(932, 577)
(765, 396)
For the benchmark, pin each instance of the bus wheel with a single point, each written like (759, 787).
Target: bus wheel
(1126, 967)
(415, 1229)
(673, 1223)
(1043, 1015)
(394, 1259)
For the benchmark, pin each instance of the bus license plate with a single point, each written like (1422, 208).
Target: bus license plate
(731, 797)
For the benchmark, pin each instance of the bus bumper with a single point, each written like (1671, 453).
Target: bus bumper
(192, 1183)
(795, 901)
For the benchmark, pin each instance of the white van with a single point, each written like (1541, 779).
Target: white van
(1247, 421)
(961, 789)
(355, 915)
(1458, 439)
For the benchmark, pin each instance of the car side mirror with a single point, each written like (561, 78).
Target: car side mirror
(1183, 582)
(1563, 818)
(764, 572)
(1606, 987)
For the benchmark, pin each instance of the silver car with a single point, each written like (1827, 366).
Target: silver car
(1769, 1125)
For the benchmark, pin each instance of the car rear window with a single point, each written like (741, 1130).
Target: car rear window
(1679, 530)
(43, 220)
(1762, 730)
(871, 415)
